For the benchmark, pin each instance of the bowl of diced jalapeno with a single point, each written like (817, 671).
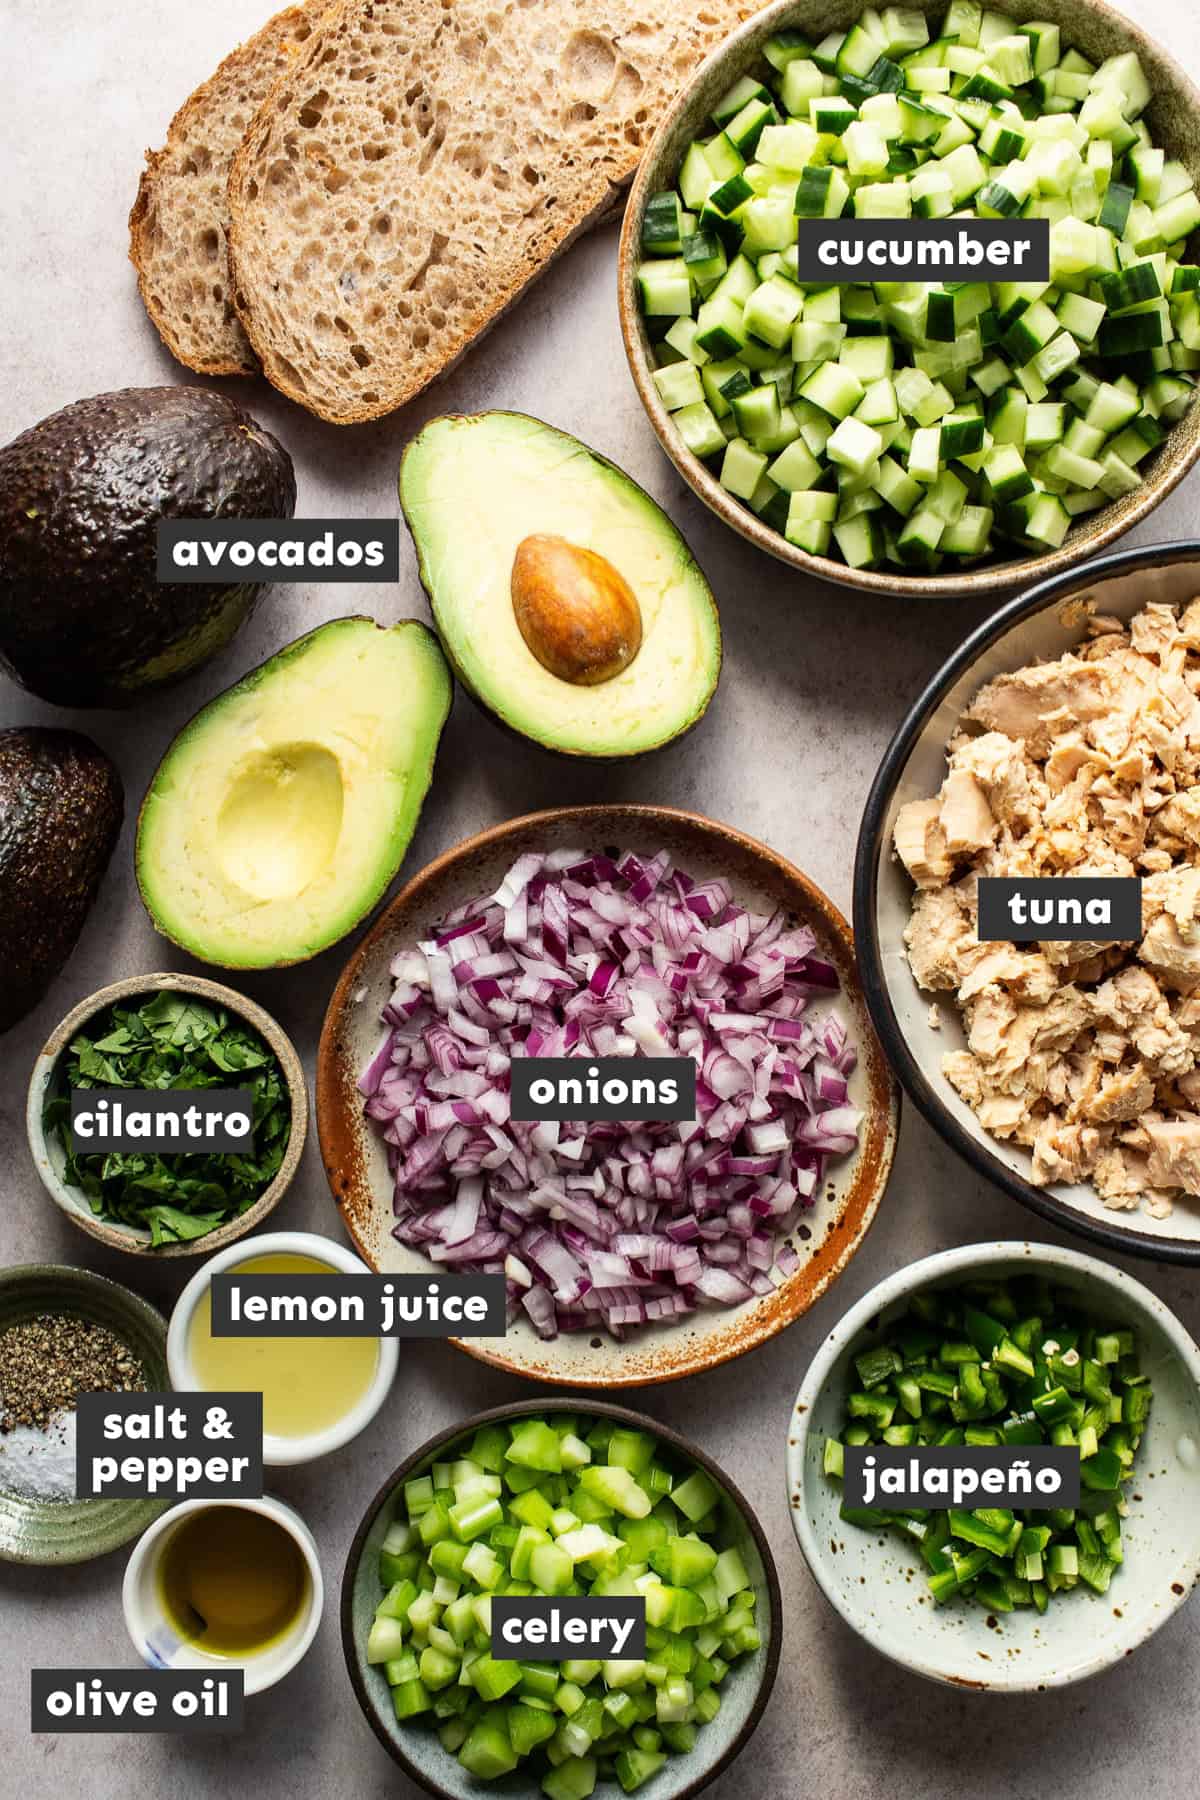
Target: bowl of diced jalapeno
(556, 1498)
(916, 436)
(1005, 1346)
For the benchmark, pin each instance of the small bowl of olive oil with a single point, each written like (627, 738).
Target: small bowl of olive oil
(318, 1392)
(225, 1583)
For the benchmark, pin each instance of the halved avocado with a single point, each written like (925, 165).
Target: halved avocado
(280, 814)
(531, 548)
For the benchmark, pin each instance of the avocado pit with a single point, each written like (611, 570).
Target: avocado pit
(577, 614)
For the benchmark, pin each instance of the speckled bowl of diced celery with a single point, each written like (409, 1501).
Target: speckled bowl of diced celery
(910, 436)
(560, 1497)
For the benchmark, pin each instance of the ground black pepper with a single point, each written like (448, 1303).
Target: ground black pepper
(45, 1362)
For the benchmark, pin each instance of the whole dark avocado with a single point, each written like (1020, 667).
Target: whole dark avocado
(61, 806)
(84, 620)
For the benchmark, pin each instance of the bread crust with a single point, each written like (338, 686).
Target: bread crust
(283, 132)
(280, 37)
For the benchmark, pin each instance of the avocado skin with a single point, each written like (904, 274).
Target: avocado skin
(61, 807)
(83, 618)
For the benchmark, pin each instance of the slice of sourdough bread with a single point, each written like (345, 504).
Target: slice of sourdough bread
(422, 162)
(177, 229)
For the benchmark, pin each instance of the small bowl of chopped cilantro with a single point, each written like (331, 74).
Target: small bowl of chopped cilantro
(1016, 1355)
(127, 1046)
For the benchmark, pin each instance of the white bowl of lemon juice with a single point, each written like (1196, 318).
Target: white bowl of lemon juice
(318, 1392)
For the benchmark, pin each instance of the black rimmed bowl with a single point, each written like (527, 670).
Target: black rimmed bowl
(744, 1692)
(1038, 626)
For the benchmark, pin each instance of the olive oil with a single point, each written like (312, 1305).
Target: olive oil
(232, 1581)
(307, 1384)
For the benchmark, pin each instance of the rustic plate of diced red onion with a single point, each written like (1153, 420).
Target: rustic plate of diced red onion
(632, 1252)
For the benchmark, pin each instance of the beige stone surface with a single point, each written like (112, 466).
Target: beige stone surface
(815, 681)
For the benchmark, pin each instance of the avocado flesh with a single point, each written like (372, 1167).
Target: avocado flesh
(84, 620)
(281, 813)
(472, 488)
(61, 806)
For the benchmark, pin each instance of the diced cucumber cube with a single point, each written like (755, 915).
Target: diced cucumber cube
(802, 84)
(699, 430)
(924, 457)
(918, 541)
(836, 390)
(772, 309)
(742, 468)
(970, 533)
(795, 468)
(743, 91)
(1045, 424)
(866, 149)
(682, 337)
(787, 147)
(854, 444)
(679, 385)
(860, 540)
(665, 288)
(1006, 474)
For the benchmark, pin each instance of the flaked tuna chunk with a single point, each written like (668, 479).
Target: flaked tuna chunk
(1063, 1152)
(1001, 1114)
(1025, 973)
(1000, 767)
(1120, 1178)
(1155, 630)
(921, 843)
(1178, 822)
(1129, 995)
(965, 1076)
(1173, 953)
(1069, 755)
(1040, 703)
(990, 1017)
(1180, 893)
(965, 816)
(936, 936)
(1174, 1160)
(1126, 1094)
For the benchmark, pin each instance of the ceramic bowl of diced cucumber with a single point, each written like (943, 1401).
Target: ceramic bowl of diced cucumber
(1006, 1344)
(560, 1497)
(936, 440)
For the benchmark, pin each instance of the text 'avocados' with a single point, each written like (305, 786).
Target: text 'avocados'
(280, 814)
(567, 602)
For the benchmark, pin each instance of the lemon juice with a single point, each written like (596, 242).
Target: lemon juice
(307, 1384)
